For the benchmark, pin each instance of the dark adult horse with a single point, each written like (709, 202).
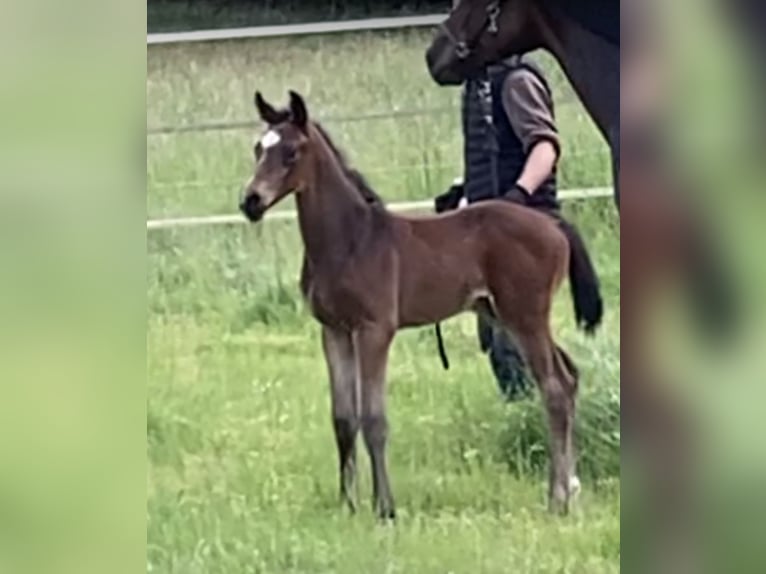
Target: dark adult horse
(584, 36)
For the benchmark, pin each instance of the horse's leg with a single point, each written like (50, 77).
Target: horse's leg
(341, 364)
(540, 353)
(372, 345)
(568, 372)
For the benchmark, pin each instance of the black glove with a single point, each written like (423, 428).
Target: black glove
(450, 199)
(517, 194)
(540, 201)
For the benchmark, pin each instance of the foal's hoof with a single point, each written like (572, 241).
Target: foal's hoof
(347, 501)
(386, 515)
(558, 507)
(558, 503)
(574, 487)
(348, 505)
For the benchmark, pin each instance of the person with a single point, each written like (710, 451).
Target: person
(511, 149)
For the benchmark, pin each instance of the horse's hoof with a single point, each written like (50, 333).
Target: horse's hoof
(387, 515)
(347, 502)
(558, 507)
(574, 486)
(558, 503)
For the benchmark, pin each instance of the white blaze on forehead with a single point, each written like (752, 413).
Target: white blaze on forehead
(270, 139)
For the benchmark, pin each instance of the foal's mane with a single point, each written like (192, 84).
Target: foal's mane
(357, 179)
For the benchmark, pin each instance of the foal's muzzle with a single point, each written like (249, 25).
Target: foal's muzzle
(252, 207)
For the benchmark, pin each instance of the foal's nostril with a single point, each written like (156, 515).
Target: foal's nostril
(252, 206)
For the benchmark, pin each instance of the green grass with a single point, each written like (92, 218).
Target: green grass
(242, 473)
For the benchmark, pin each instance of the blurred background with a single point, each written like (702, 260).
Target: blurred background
(693, 269)
(163, 396)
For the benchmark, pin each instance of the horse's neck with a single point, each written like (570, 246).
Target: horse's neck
(592, 65)
(331, 214)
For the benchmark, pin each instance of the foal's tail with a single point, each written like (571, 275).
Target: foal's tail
(586, 294)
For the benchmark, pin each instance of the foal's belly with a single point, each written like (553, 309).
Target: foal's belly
(431, 306)
(438, 279)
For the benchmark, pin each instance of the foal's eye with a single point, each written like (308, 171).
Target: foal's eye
(289, 155)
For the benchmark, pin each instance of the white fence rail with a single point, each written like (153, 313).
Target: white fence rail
(154, 224)
(295, 29)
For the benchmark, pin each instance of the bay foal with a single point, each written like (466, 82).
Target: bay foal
(368, 273)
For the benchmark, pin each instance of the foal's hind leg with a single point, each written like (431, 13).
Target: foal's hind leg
(372, 345)
(568, 373)
(541, 356)
(341, 363)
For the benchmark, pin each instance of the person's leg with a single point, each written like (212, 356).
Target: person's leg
(504, 358)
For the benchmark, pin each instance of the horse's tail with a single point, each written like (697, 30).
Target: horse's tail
(586, 293)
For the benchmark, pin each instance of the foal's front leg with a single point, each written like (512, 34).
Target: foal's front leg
(372, 345)
(341, 363)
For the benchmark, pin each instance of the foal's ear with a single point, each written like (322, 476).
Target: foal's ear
(267, 112)
(298, 113)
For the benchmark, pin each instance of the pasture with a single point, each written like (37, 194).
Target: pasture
(242, 463)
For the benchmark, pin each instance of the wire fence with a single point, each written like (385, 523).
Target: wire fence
(444, 150)
(227, 125)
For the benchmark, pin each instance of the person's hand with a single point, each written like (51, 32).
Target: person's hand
(543, 202)
(517, 194)
(450, 199)
(539, 201)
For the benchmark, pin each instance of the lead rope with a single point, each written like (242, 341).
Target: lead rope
(440, 344)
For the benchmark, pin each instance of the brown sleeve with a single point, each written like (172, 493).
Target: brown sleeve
(530, 109)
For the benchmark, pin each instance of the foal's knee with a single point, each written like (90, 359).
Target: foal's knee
(374, 428)
(346, 425)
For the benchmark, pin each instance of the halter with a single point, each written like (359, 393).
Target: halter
(462, 47)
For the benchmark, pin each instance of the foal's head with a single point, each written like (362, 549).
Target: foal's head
(282, 156)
